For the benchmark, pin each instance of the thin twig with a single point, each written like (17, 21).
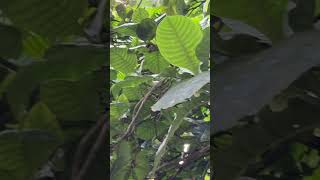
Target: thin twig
(94, 30)
(187, 160)
(83, 145)
(137, 111)
(93, 152)
(139, 4)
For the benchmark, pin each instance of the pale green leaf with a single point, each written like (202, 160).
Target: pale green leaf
(154, 62)
(123, 61)
(182, 91)
(177, 38)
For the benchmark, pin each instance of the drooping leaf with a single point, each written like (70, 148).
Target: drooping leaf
(176, 44)
(182, 91)
(123, 61)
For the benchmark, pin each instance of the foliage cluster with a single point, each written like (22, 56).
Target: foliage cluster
(160, 89)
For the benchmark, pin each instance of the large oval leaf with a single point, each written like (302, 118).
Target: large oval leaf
(177, 38)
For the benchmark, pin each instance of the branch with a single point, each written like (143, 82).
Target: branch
(95, 28)
(84, 144)
(136, 111)
(188, 160)
(93, 152)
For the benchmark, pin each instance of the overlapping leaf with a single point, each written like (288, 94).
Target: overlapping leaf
(155, 62)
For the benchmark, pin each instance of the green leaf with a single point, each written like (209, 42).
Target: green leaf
(146, 29)
(123, 61)
(155, 62)
(127, 29)
(50, 19)
(149, 129)
(317, 11)
(180, 112)
(142, 165)
(34, 45)
(73, 100)
(139, 15)
(23, 153)
(182, 91)
(64, 63)
(272, 131)
(203, 49)
(129, 82)
(122, 164)
(117, 110)
(265, 13)
(176, 43)
(41, 118)
(11, 41)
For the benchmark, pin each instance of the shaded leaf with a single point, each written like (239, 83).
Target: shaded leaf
(146, 29)
(23, 153)
(46, 19)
